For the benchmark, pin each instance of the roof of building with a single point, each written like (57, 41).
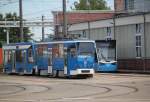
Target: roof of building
(82, 16)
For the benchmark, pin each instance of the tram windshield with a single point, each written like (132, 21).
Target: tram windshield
(86, 48)
(106, 51)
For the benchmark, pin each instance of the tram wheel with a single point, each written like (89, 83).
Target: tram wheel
(55, 73)
(39, 71)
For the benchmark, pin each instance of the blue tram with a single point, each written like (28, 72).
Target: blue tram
(65, 58)
(56, 58)
(19, 58)
(106, 56)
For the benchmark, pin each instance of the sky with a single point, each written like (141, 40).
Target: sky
(34, 9)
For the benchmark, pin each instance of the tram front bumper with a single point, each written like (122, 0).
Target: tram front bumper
(82, 72)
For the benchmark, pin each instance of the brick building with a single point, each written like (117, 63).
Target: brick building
(75, 17)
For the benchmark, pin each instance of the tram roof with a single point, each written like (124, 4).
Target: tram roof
(14, 46)
(68, 41)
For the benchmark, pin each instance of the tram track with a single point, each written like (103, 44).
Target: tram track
(22, 89)
(109, 91)
(96, 95)
(134, 90)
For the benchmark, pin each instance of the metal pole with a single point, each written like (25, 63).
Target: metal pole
(145, 42)
(42, 28)
(114, 24)
(7, 31)
(64, 19)
(89, 30)
(21, 20)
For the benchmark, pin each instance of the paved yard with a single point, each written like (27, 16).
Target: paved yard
(100, 88)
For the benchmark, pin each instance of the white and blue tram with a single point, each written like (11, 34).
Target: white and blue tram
(65, 58)
(56, 58)
(19, 58)
(106, 56)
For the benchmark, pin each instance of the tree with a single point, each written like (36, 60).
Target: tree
(14, 33)
(91, 5)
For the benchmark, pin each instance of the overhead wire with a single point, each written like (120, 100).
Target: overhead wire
(4, 3)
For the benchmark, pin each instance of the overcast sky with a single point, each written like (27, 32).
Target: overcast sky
(34, 9)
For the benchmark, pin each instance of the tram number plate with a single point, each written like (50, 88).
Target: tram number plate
(85, 71)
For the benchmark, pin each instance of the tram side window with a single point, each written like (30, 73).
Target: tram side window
(40, 51)
(58, 51)
(19, 56)
(30, 56)
(43, 51)
(7, 56)
(72, 50)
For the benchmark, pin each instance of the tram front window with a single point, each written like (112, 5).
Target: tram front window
(86, 48)
(106, 52)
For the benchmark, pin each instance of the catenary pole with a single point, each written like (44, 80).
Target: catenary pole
(64, 19)
(21, 20)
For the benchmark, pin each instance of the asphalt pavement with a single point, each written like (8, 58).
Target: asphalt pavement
(101, 88)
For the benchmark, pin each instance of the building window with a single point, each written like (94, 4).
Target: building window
(138, 28)
(84, 33)
(138, 40)
(138, 46)
(108, 37)
(130, 4)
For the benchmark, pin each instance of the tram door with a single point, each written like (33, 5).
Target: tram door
(24, 57)
(13, 60)
(58, 60)
(65, 60)
(71, 57)
(20, 61)
(49, 60)
(9, 61)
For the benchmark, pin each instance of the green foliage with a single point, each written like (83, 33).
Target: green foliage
(14, 33)
(91, 5)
